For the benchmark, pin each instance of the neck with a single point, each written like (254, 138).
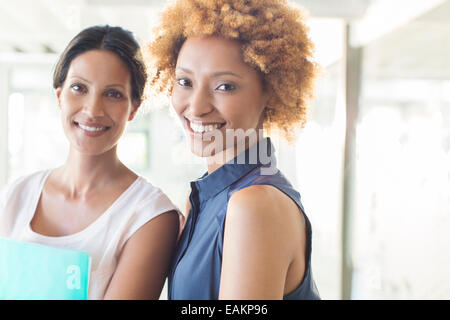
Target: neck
(82, 173)
(217, 160)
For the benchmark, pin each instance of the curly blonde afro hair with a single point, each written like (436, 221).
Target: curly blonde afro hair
(274, 41)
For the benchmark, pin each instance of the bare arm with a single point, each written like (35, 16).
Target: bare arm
(261, 240)
(145, 258)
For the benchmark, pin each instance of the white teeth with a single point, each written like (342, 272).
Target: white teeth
(196, 127)
(91, 129)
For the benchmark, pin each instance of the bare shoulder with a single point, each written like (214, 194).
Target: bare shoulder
(164, 224)
(264, 202)
(266, 211)
(157, 234)
(264, 231)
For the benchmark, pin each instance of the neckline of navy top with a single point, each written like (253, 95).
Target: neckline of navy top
(196, 268)
(210, 185)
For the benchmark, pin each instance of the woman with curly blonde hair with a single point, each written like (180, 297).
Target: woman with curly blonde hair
(233, 68)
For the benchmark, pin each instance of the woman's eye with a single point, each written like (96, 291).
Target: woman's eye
(226, 87)
(184, 82)
(78, 88)
(114, 94)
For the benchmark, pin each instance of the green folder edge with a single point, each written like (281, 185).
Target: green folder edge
(55, 249)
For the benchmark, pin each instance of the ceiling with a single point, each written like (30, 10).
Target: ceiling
(47, 25)
(44, 27)
(419, 49)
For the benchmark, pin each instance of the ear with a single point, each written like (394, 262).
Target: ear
(58, 95)
(134, 109)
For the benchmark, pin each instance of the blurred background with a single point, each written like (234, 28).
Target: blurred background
(372, 164)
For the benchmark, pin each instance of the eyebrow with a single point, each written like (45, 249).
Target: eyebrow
(108, 86)
(81, 78)
(215, 74)
(115, 85)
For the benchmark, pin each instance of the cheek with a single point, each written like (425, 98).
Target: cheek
(236, 108)
(120, 113)
(70, 105)
(243, 112)
(178, 100)
(68, 101)
(67, 111)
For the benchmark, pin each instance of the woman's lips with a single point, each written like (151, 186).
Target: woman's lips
(92, 129)
(202, 128)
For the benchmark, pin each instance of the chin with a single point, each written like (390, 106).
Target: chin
(204, 150)
(92, 150)
(199, 152)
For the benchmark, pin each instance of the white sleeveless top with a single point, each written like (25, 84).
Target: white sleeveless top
(103, 239)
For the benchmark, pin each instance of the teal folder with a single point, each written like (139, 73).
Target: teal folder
(30, 271)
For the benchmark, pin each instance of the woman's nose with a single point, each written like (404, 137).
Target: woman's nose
(200, 102)
(93, 106)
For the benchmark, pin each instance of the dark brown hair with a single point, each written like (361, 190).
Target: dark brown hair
(114, 39)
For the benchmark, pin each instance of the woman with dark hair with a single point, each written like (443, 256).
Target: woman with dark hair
(233, 70)
(94, 202)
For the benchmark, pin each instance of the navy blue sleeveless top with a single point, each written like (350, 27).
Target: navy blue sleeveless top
(196, 268)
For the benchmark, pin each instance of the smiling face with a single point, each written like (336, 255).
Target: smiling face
(95, 101)
(215, 92)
